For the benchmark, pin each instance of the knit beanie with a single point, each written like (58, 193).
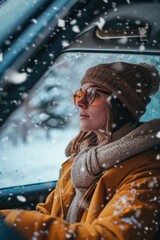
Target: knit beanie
(132, 84)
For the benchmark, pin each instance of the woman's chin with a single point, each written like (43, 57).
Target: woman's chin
(86, 128)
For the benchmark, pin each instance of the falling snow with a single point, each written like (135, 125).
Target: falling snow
(61, 23)
(132, 221)
(65, 43)
(123, 40)
(76, 29)
(1, 57)
(34, 21)
(142, 32)
(100, 23)
(74, 21)
(158, 135)
(21, 198)
(15, 77)
(141, 48)
(158, 157)
(128, 1)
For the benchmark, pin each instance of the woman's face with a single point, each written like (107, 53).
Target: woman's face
(94, 116)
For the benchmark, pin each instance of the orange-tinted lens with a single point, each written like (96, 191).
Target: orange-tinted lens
(77, 96)
(88, 95)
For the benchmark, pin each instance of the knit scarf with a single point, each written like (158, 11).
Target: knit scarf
(91, 163)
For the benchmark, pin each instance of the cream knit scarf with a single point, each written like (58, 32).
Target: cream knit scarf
(90, 163)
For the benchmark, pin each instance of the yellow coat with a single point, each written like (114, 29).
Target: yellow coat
(123, 205)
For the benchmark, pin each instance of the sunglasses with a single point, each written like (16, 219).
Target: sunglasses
(89, 95)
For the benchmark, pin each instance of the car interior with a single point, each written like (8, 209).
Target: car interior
(59, 39)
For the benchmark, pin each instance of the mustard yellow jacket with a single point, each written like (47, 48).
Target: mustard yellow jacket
(122, 205)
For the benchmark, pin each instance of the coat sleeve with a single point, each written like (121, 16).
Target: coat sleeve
(131, 214)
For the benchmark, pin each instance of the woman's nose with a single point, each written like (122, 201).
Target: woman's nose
(81, 103)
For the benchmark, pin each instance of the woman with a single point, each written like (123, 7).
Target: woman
(109, 187)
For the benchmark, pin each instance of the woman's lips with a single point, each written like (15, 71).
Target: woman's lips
(83, 115)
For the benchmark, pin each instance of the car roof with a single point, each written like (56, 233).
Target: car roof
(127, 28)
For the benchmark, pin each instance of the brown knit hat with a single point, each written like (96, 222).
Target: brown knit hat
(133, 84)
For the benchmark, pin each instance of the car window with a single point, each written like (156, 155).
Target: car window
(34, 138)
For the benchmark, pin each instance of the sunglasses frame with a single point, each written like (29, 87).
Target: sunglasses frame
(84, 95)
